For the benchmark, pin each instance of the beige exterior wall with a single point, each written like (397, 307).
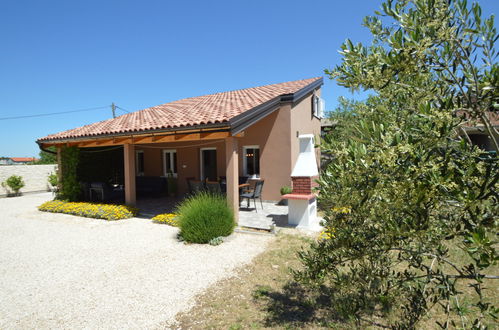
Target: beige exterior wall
(303, 122)
(271, 134)
(275, 135)
(188, 159)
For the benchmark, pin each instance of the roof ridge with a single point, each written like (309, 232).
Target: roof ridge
(267, 85)
(230, 91)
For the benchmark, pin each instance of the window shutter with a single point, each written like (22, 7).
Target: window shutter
(318, 107)
(315, 106)
(322, 108)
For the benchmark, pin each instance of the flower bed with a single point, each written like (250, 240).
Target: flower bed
(90, 210)
(166, 218)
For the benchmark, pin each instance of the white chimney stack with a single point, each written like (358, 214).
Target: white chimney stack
(302, 201)
(306, 164)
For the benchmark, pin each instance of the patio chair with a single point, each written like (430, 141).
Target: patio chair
(213, 187)
(195, 186)
(256, 193)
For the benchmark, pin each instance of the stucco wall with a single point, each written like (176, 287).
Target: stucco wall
(274, 134)
(35, 177)
(188, 154)
(303, 122)
(271, 134)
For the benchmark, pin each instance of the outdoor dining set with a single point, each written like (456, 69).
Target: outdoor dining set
(249, 189)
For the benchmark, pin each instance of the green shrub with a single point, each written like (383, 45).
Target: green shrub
(286, 190)
(14, 183)
(205, 216)
(216, 241)
(53, 179)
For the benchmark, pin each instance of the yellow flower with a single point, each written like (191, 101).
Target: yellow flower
(326, 234)
(90, 210)
(342, 209)
(166, 218)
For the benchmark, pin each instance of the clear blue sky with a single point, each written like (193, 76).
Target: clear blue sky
(65, 55)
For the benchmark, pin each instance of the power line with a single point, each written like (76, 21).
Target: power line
(125, 110)
(53, 113)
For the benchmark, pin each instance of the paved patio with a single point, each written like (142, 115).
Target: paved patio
(272, 215)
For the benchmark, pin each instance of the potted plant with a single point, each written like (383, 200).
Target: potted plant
(171, 183)
(14, 183)
(284, 191)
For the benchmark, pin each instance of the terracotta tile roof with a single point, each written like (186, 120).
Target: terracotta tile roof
(201, 110)
(23, 159)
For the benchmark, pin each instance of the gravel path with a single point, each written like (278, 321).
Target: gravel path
(61, 271)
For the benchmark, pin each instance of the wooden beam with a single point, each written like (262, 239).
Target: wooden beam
(88, 144)
(214, 135)
(188, 137)
(165, 138)
(143, 139)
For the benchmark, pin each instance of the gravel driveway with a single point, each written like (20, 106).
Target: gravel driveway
(61, 271)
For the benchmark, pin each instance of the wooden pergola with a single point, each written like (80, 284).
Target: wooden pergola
(129, 141)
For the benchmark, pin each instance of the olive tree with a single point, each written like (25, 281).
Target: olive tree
(403, 190)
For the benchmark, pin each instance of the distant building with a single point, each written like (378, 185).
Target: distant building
(17, 160)
(6, 161)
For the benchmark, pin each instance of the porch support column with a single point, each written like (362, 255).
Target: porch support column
(129, 160)
(232, 174)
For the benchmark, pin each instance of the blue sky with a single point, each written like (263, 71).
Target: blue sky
(67, 55)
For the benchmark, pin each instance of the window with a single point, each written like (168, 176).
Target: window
(318, 107)
(170, 162)
(139, 162)
(251, 161)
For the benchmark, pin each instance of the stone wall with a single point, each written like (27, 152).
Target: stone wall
(35, 177)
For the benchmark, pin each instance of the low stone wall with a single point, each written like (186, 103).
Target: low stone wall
(35, 177)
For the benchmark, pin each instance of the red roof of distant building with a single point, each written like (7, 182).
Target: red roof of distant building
(23, 159)
(201, 110)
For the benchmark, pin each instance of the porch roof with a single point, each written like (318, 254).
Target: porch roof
(234, 110)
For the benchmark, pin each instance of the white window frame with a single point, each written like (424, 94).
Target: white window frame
(137, 152)
(245, 160)
(172, 161)
(201, 174)
(318, 107)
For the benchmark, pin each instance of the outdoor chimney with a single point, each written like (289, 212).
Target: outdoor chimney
(302, 201)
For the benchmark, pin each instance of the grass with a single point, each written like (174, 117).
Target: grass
(263, 295)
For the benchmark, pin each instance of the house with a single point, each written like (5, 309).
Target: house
(23, 160)
(16, 160)
(476, 132)
(248, 132)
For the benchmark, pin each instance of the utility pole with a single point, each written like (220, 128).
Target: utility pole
(113, 108)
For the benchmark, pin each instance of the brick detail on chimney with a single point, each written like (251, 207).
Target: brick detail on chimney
(303, 185)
